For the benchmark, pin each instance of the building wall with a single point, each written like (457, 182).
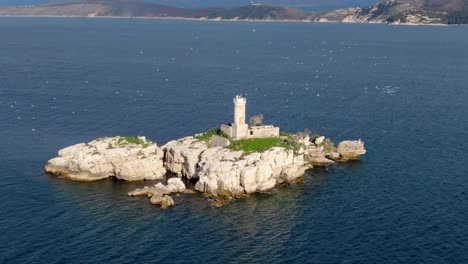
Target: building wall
(243, 131)
(263, 132)
(227, 129)
(239, 131)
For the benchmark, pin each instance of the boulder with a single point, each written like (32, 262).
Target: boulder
(164, 201)
(145, 191)
(320, 161)
(110, 157)
(351, 149)
(160, 189)
(176, 185)
(217, 141)
(319, 140)
(316, 155)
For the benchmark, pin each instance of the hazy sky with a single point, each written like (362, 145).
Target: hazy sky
(308, 4)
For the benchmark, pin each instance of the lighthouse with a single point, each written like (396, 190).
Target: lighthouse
(239, 129)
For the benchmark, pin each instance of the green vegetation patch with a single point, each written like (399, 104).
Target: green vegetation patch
(315, 135)
(212, 132)
(286, 134)
(328, 145)
(133, 140)
(397, 18)
(460, 17)
(257, 144)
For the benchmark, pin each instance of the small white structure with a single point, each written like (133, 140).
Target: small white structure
(239, 129)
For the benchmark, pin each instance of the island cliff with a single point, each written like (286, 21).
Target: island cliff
(416, 12)
(221, 167)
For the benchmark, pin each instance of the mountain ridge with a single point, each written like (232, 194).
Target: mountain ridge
(404, 12)
(389, 12)
(198, 4)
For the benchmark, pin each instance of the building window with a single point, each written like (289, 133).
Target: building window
(251, 133)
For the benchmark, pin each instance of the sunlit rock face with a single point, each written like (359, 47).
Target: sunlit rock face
(351, 149)
(222, 170)
(182, 156)
(219, 171)
(110, 157)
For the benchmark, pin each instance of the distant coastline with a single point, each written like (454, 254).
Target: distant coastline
(226, 20)
(393, 12)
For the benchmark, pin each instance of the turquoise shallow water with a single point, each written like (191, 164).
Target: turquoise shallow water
(403, 90)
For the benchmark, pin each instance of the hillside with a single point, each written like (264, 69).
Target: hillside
(403, 11)
(262, 12)
(299, 4)
(305, 4)
(96, 8)
(136, 8)
(390, 11)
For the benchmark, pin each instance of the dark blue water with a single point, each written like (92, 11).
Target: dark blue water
(403, 90)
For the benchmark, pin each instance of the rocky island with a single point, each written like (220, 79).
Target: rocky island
(230, 162)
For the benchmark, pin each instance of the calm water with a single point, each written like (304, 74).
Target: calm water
(403, 90)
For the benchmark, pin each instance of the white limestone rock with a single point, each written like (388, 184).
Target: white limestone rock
(222, 173)
(248, 179)
(316, 155)
(109, 157)
(292, 173)
(351, 149)
(182, 156)
(217, 141)
(161, 189)
(164, 201)
(222, 170)
(252, 158)
(319, 140)
(176, 185)
(145, 191)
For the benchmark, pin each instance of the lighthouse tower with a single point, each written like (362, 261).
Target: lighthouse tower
(239, 127)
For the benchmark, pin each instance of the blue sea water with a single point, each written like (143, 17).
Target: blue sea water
(403, 90)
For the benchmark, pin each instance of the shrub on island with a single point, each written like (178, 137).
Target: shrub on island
(210, 133)
(257, 144)
(122, 141)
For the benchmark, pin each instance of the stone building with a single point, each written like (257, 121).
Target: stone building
(239, 129)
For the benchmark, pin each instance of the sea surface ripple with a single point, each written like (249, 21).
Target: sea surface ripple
(403, 90)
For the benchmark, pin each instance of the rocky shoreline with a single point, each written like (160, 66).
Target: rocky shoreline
(219, 171)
